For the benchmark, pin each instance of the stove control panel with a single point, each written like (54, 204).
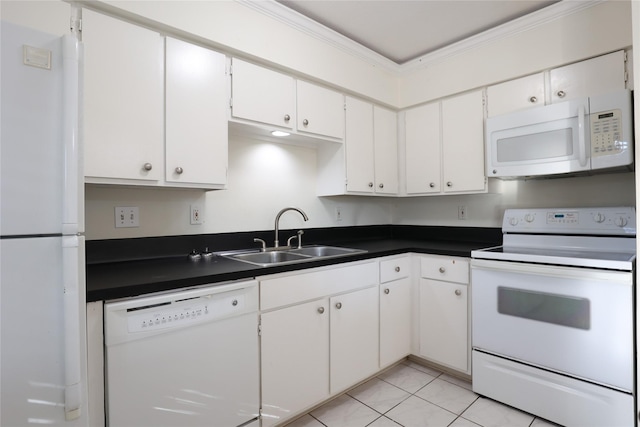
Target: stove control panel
(617, 221)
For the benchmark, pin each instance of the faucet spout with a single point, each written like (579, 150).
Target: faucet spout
(276, 242)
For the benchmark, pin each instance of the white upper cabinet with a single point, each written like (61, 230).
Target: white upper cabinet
(422, 148)
(463, 144)
(385, 138)
(367, 162)
(154, 114)
(518, 94)
(320, 111)
(196, 115)
(359, 146)
(444, 146)
(594, 76)
(262, 95)
(123, 99)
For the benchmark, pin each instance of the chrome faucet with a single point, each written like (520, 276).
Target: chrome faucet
(276, 242)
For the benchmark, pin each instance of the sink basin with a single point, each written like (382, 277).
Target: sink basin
(266, 258)
(291, 256)
(325, 251)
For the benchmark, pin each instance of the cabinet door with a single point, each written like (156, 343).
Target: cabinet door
(443, 323)
(385, 137)
(123, 99)
(320, 111)
(395, 321)
(518, 94)
(196, 115)
(262, 95)
(294, 359)
(463, 143)
(595, 76)
(422, 141)
(359, 146)
(354, 337)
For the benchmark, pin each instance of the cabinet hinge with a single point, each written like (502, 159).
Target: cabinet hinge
(75, 21)
(230, 102)
(230, 70)
(259, 329)
(626, 67)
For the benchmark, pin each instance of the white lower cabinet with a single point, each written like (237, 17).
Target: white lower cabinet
(295, 359)
(319, 336)
(444, 328)
(353, 337)
(395, 313)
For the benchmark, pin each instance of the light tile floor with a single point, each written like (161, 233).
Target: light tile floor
(412, 395)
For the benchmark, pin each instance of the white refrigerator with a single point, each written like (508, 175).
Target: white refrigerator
(42, 281)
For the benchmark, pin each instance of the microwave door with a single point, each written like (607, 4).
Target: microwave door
(543, 141)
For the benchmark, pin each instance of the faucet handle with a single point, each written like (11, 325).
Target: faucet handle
(290, 239)
(300, 233)
(264, 244)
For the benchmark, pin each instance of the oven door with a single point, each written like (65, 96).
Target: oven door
(576, 321)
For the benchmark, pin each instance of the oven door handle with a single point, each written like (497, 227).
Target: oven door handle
(551, 270)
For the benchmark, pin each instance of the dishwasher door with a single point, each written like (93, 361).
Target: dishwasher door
(187, 358)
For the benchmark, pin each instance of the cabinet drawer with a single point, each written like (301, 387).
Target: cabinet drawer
(445, 268)
(296, 288)
(394, 269)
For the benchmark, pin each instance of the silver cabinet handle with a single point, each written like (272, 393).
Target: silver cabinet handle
(147, 166)
(305, 122)
(287, 117)
(442, 270)
(338, 305)
(386, 291)
(458, 292)
(179, 170)
(533, 99)
(449, 184)
(234, 302)
(381, 185)
(432, 184)
(320, 310)
(397, 269)
(561, 94)
(370, 184)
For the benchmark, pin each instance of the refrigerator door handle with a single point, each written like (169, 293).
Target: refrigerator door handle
(71, 192)
(72, 351)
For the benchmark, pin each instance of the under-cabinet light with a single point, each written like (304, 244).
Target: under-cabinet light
(279, 133)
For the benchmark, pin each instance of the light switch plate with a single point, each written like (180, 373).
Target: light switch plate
(127, 216)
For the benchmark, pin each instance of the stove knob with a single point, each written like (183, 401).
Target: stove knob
(513, 221)
(620, 221)
(529, 217)
(599, 217)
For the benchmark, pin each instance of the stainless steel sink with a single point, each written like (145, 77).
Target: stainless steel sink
(290, 256)
(325, 251)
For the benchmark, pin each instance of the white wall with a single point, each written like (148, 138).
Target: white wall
(600, 29)
(486, 210)
(263, 178)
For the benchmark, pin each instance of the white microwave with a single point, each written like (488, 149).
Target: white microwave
(574, 136)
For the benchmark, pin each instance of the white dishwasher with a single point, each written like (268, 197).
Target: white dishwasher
(185, 358)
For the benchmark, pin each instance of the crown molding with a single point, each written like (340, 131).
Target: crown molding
(300, 22)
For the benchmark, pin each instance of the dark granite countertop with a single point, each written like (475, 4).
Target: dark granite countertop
(131, 267)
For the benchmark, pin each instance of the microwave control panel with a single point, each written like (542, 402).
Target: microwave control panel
(606, 133)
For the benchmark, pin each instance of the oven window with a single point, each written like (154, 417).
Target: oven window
(551, 308)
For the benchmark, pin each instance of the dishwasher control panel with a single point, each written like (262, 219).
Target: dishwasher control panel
(165, 316)
(137, 318)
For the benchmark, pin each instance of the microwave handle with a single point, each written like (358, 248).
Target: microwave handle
(582, 148)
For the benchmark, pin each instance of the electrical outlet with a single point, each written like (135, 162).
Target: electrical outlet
(338, 213)
(127, 216)
(196, 215)
(462, 212)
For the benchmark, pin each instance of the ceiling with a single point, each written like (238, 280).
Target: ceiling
(402, 30)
